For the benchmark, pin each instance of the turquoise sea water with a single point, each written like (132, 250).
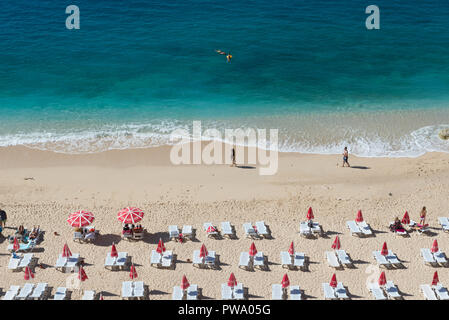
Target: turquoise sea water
(136, 70)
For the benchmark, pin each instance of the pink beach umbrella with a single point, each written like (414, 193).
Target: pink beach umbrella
(133, 272)
(82, 276)
(80, 219)
(28, 274)
(252, 250)
(434, 248)
(114, 252)
(291, 250)
(382, 279)
(384, 250)
(66, 253)
(285, 281)
(310, 214)
(406, 218)
(359, 217)
(130, 215)
(435, 279)
(184, 283)
(232, 282)
(336, 245)
(211, 229)
(333, 282)
(203, 251)
(160, 247)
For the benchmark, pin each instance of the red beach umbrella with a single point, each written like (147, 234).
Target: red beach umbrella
(291, 250)
(310, 214)
(382, 279)
(435, 279)
(211, 229)
(434, 248)
(232, 282)
(82, 274)
(333, 282)
(252, 250)
(285, 281)
(359, 217)
(130, 215)
(28, 274)
(114, 251)
(185, 283)
(16, 245)
(80, 218)
(406, 218)
(160, 246)
(384, 251)
(133, 272)
(203, 251)
(336, 245)
(66, 251)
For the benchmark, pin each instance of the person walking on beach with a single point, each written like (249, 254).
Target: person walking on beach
(3, 218)
(233, 157)
(422, 216)
(345, 157)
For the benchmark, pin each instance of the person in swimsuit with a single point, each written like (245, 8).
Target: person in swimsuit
(229, 58)
(345, 157)
(423, 216)
(233, 157)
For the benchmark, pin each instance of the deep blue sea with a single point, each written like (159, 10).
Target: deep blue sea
(136, 70)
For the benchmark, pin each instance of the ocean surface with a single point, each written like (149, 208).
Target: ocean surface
(137, 70)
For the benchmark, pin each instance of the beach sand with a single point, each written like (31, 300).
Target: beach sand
(104, 183)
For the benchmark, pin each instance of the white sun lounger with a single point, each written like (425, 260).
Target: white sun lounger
(173, 232)
(286, 260)
(26, 290)
(244, 261)
(353, 228)
(239, 293)
(210, 259)
(329, 292)
(381, 260)
(440, 257)
(139, 289)
(177, 294)
(332, 259)
(88, 295)
(277, 292)
(155, 259)
(206, 226)
(23, 247)
(187, 232)
(428, 257)
(259, 260)
(127, 289)
(39, 291)
(316, 228)
(428, 292)
(441, 292)
(393, 259)
(391, 290)
(226, 229)
(340, 291)
(304, 229)
(197, 260)
(167, 259)
(122, 260)
(249, 231)
(26, 260)
(344, 258)
(262, 229)
(299, 260)
(377, 292)
(444, 222)
(61, 262)
(110, 261)
(295, 293)
(226, 292)
(11, 293)
(72, 261)
(192, 292)
(365, 228)
(14, 263)
(60, 294)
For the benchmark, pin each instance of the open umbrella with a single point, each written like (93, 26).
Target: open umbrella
(16, 245)
(382, 279)
(434, 248)
(132, 272)
(82, 274)
(359, 217)
(160, 247)
(211, 229)
(333, 282)
(406, 218)
(28, 274)
(384, 250)
(130, 215)
(114, 251)
(336, 245)
(185, 283)
(291, 250)
(310, 214)
(232, 282)
(66, 253)
(80, 219)
(252, 250)
(285, 281)
(435, 279)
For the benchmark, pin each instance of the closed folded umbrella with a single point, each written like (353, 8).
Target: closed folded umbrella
(285, 281)
(82, 276)
(333, 282)
(114, 251)
(384, 250)
(336, 245)
(160, 247)
(66, 253)
(310, 214)
(382, 279)
(435, 279)
(434, 248)
(185, 283)
(28, 274)
(16, 245)
(406, 218)
(232, 282)
(359, 217)
(252, 250)
(133, 272)
(291, 250)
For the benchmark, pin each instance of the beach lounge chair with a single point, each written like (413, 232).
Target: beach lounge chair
(123, 260)
(295, 293)
(227, 230)
(197, 261)
(250, 232)
(393, 259)
(444, 222)
(177, 294)
(239, 293)
(40, 291)
(138, 290)
(110, 261)
(89, 295)
(377, 292)
(72, 262)
(344, 258)
(365, 228)
(173, 232)
(11, 293)
(155, 259)
(167, 259)
(340, 291)
(213, 234)
(277, 293)
(244, 262)
(262, 229)
(226, 292)
(332, 259)
(259, 261)
(14, 263)
(61, 262)
(428, 257)
(441, 292)
(192, 292)
(26, 261)
(60, 294)
(299, 260)
(329, 292)
(428, 292)
(78, 236)
(210, 260)
(286, 260)
(26, 290)
(187, 232)
(391, 290)
(381, 260)
(24, 247)
(304, 230)
(316, 228)
(353, 228)
(127, 289)
(440, 257)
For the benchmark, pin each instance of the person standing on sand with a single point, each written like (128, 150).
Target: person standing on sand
(422, 216)
(345, 157)
(233, 157)
(3, 218)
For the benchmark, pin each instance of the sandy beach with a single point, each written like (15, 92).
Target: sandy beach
(104, 183)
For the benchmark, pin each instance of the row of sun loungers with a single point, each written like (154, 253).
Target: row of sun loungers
(338, 259)
(361, 229)
(133, 290)
(308, 231)
(191, 293)
(248, 262)
(434, 259)
(293, 262)
(21, 261)
(164, 260)
(389, 261)
(121, 262)
(277, 293)
(334, 293)
(437, 292)
(381, 293)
